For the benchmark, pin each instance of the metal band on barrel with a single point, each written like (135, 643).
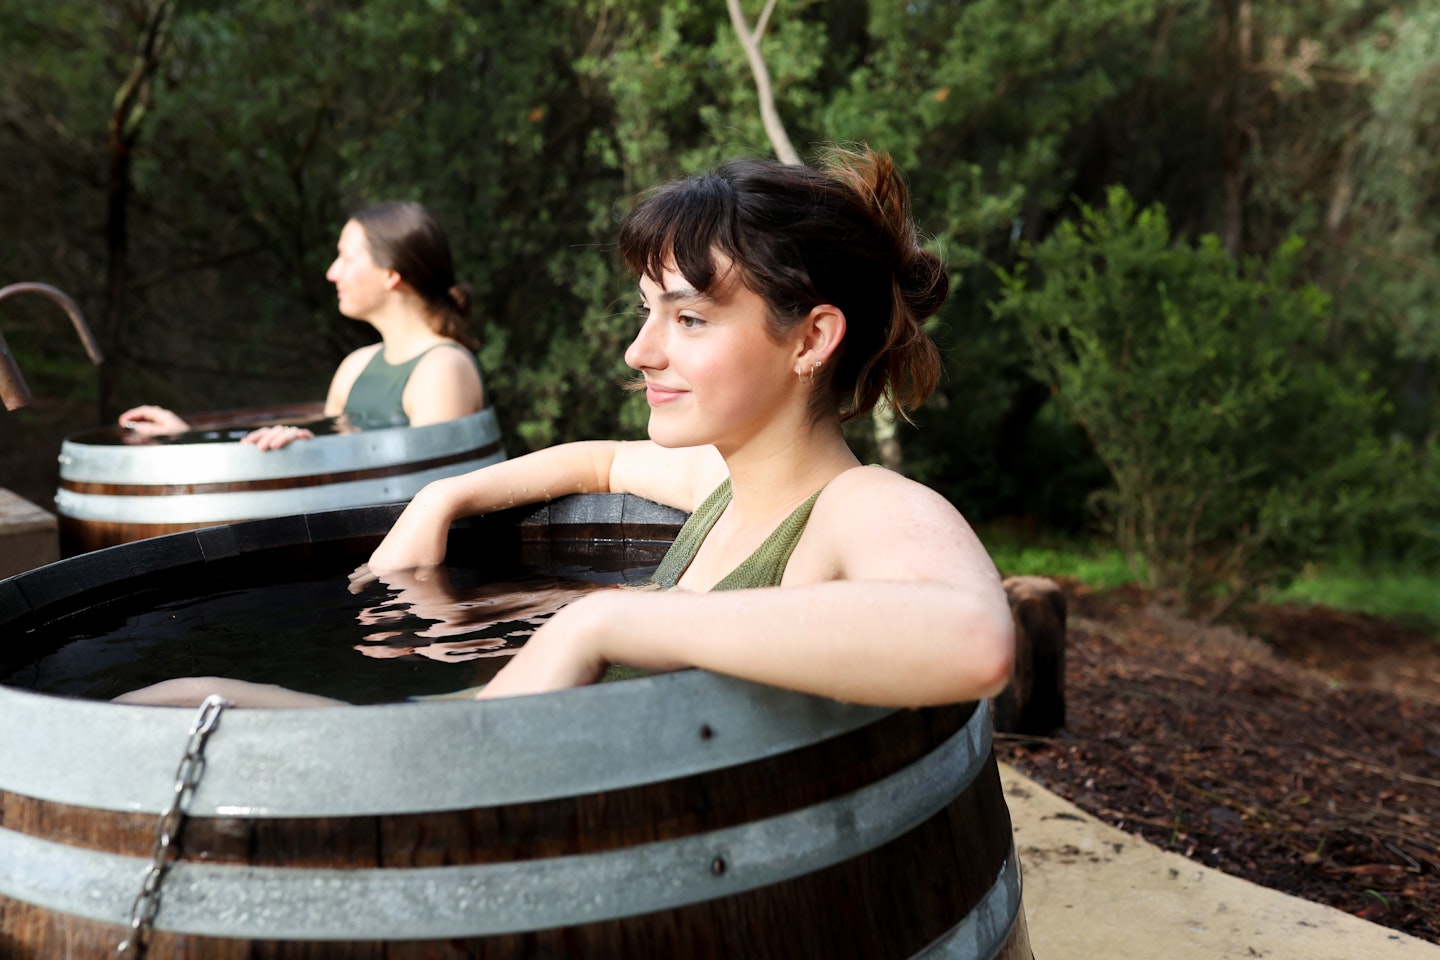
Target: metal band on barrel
(286, 903)
(254, 504)
(988, 925)
(322, 762)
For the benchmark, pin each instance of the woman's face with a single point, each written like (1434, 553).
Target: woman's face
(360, 284)
(713, 374)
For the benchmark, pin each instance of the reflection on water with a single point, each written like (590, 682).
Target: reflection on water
(486, 620)
(413, 635)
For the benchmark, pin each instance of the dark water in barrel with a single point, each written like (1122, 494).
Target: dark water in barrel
(305, 630)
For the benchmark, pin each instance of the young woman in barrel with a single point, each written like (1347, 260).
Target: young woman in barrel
(775, 302)
(393, 270)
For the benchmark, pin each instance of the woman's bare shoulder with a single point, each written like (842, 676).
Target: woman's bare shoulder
(449, 351)
(444, 385)
(875, 523)
(875, 490)
(448, 359)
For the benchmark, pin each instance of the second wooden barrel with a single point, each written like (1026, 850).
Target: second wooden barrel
(115, 488)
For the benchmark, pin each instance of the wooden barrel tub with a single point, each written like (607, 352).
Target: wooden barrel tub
(678, 815)
(116, 487)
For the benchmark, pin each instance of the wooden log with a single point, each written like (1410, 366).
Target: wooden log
(1034, 702)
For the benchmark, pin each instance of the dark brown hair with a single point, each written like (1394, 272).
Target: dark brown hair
(800, 237)
(406, 237)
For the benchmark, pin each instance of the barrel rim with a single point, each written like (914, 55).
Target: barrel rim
(168, 464)
(266, 762)
(33, 591)
(367, 760)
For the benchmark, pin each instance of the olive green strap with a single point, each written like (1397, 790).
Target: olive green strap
(763, 568)
(687, 542)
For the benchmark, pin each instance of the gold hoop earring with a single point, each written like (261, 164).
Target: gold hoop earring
(809, 375)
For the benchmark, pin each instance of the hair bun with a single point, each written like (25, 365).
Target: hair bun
(461, 294)
(924, 283)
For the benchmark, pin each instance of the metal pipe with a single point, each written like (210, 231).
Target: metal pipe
(12, 385)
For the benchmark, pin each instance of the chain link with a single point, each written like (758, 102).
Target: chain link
(167, 830)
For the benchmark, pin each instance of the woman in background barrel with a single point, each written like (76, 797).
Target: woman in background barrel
(393, 270)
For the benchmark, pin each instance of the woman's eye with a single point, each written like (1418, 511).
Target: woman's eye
(691, 322)
(642, 310)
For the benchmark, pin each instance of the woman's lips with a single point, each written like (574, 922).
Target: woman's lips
(657, 395)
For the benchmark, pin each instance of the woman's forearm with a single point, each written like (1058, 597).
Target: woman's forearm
(888, 643)
(419, 535)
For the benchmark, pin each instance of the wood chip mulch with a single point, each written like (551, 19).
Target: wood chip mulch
(1315, 772)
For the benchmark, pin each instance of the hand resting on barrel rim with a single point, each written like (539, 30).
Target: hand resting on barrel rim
(149, 420)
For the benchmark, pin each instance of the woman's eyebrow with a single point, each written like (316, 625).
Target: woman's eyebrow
(675, 294)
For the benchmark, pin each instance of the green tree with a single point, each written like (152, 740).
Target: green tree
(528, 126)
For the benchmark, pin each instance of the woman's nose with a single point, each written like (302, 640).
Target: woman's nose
(333, 273)
(645, 350)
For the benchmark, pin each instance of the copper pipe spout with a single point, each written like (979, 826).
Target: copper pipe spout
(12, 385)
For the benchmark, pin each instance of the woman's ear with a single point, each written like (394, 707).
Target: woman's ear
(824, 329)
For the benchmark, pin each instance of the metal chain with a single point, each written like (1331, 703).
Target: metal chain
(167, 830)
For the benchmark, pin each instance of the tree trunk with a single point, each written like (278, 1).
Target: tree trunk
(1237, 38)
(769, 116)
(130, 105)
(117, 271)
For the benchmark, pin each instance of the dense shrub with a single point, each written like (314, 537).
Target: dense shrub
(1237, 447)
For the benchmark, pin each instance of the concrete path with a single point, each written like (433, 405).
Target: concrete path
(1091, 891)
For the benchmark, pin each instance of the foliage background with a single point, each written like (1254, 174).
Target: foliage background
(182, 168)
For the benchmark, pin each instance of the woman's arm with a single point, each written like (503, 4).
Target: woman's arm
(883, 643)
(911, 612)
(151, 421)
(672, 477)
(444, 385)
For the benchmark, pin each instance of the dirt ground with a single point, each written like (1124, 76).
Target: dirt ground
(1301, 752)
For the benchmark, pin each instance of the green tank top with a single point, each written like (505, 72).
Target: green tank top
(763, 568)
(376, 397)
